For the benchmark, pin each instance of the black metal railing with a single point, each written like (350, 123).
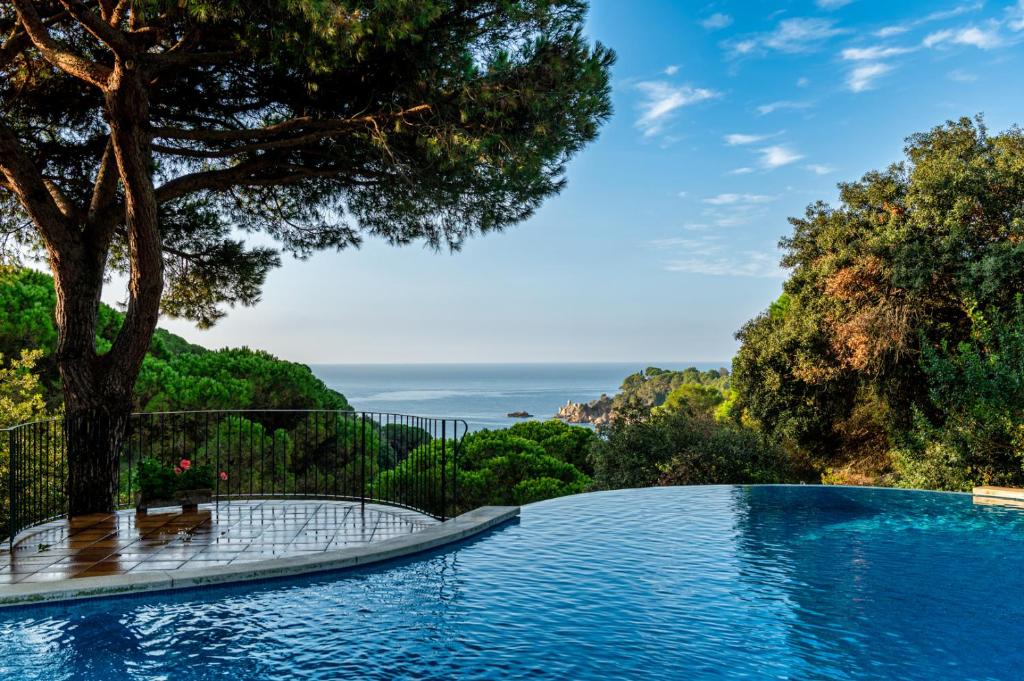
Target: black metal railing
(393, 459)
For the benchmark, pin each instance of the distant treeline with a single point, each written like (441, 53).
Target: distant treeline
(895, 355)
(176, 374)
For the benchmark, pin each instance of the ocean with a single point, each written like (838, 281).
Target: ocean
(482, 394)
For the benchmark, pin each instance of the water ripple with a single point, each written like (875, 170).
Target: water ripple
(695, 583)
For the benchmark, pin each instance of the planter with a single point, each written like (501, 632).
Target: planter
(189, 501)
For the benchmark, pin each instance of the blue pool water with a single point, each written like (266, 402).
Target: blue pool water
(690, 583)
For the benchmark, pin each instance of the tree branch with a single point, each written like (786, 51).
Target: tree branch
(99, 28)
(286, 143)
(70, 63)
(304, 125)
(118, 12)
(129, 111)
(27, 183)
(104, 210)
(104, 189)
(65, 206)
(206, 180)
(13, 46)
(247, 174)
(178, 59)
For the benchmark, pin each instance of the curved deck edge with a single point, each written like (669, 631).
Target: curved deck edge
(449, 532)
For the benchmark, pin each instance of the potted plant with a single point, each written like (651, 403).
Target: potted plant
(184, 485)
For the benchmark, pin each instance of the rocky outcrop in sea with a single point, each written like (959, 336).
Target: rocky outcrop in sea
(596, 412)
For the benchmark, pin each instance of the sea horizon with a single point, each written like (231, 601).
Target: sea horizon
(662, 364)
(483, 394)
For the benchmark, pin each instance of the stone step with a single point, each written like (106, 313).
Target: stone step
(992, 492)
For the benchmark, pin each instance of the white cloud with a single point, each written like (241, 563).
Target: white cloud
(745, 170)
(897, 29)
(983, 39)
(961, 76)
(733, 199)
(955, 12)
(716, 21)
(819, 169)
(936, 38)
(662, 99)
(772, 107)
(671, 70)
(729, 264)
(1015, 16)
(744, 47)
(790, 36)
(710, 255)
(700, 246)
(890, 31)
(980, 38)
(863, 77)
(873, 53)
(777, 156)
(736, 214)
(832, 4)
(738, 139)
(800, 35)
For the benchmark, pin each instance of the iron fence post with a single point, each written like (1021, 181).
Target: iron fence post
(456, 443)
(216, 468)
(444, 469)
(11, 507)
(362, 465)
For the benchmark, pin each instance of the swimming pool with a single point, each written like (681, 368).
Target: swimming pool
(686, 582)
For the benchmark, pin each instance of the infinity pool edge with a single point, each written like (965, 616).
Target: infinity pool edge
(449, 532)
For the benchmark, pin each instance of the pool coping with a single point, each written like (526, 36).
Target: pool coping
(435, 536)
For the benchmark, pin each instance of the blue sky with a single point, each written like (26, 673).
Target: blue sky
(729, 117)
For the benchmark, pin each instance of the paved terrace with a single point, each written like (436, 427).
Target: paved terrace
(232, 534)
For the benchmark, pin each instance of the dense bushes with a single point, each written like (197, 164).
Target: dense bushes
(685, 447)
(235, 378)
(176, 375)
(651, 387)
(21, 401)
(977, 389)
(896, 354)
(527, 462)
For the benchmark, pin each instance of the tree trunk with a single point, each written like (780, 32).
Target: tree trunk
(98, 389)
(96, 407)
(94, 440)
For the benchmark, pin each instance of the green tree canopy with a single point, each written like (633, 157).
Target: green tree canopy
(879, 284)
(143, 136)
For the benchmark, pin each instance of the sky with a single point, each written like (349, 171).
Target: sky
(729, 118)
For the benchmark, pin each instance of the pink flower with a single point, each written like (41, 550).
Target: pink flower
(177, 471)
(223, 475)
(185, 464)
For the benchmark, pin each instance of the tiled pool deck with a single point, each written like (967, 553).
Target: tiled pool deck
(234, 533)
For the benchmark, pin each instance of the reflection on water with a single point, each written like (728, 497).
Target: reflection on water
(709, 582)
(888, 580)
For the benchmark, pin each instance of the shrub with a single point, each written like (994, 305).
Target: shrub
(571, 444)
(728, 454)
(403, 438)
(499, 467)
(159, 481)
(682, 449)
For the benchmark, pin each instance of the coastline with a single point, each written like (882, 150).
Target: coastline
(482, 394)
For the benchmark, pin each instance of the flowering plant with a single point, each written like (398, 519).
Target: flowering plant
(158, 481)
